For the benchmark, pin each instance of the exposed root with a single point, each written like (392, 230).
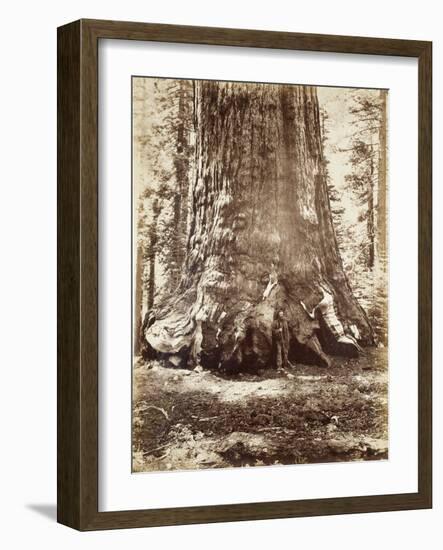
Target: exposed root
(241, 339)
(159, 409)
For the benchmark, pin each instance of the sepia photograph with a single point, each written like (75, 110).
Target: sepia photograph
(259, 274)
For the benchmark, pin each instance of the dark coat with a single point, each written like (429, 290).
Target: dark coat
(280, 332)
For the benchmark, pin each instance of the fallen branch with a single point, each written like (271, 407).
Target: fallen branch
(146, 453)
(275, 429)
(159, 409)
(165, 455)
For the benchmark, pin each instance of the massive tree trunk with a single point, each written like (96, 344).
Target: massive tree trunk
(260, 239)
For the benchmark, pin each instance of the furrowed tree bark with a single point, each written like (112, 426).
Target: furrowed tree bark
(261, 237)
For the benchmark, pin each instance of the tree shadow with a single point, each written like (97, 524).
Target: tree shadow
(48, 511)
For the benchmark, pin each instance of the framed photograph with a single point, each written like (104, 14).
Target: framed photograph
(244, 275)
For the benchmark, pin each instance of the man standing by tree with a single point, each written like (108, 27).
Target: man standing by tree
(280, 338)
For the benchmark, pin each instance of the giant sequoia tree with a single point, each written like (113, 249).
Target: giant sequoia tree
(260, 237)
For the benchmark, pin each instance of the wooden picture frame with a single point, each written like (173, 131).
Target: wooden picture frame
(78, 274)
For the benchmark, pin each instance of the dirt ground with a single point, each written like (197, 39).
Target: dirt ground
(186, 419)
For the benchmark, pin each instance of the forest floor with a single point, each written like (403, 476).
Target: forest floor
(186, 419)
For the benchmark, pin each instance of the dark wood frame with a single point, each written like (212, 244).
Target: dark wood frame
(77, 456)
